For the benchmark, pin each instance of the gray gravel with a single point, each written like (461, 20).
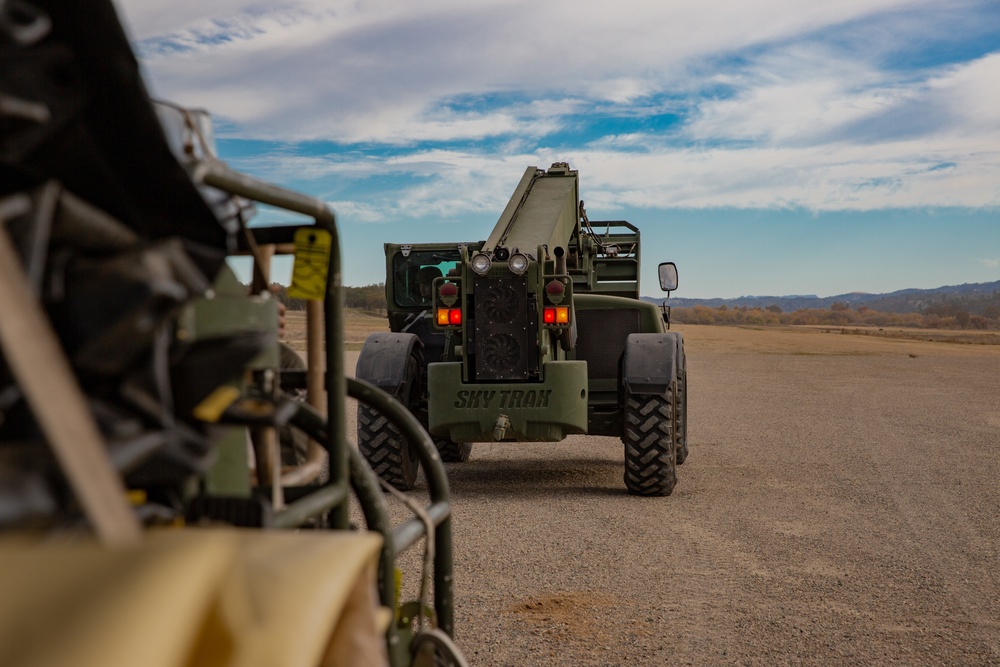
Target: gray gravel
(837, 508)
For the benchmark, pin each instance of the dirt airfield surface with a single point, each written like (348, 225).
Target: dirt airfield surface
(840, 506)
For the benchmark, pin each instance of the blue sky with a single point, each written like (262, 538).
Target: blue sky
(768, 147)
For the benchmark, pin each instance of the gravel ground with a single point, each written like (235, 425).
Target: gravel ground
(840, 506)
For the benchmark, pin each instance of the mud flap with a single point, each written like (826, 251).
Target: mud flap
(651, 363)
(384, 357)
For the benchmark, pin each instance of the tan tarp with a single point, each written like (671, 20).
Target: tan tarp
(193, 597)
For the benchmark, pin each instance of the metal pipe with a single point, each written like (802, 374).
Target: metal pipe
(407, 533)
(316, 457)
(437, 486)
(312, 505)
(307, 472)
(218, 175)
(560, 255)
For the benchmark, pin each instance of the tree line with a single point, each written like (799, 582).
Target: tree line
(937, 316)
(982, 313)
(368, 297)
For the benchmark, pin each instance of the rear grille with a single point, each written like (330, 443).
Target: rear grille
(601, 338)
(500, 351)
(501, 303)
(502, 345)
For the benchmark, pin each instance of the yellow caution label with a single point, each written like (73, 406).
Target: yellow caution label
(212, 407)
(312, 263)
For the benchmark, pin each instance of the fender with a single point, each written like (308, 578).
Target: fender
(383, 359)
(651, 363)
(681, 357)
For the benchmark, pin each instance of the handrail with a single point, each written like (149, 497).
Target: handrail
(439, 508)
(216, 174)
(345, 463)
(365, 484)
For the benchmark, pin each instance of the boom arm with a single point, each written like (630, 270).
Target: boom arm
(543, 211)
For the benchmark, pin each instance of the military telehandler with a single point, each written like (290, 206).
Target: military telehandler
(533, 334)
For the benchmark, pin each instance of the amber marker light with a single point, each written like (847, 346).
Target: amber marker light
(562, 315)
(443, 318)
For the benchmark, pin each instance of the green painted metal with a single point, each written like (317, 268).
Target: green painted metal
(230, 473)
(504, 372)
(541, 212)
(650, 317)
(537, 411)
(344, 463)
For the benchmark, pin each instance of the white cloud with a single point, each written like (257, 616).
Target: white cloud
(772, 113)
(991, 263)
(353, 62)
(847, 177)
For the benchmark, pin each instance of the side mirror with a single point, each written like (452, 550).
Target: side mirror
(668, 276)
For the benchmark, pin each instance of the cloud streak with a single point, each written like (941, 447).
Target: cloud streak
(780, 104)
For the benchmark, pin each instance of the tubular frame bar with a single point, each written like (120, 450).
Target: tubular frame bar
(371, 499)
(440, 497)
(220, 176)
(345, 463)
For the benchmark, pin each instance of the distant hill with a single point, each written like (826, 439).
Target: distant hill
(902, 301)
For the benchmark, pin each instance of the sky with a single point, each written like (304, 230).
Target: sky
(768, 147)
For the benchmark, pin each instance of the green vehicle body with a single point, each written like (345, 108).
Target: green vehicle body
(533, 344)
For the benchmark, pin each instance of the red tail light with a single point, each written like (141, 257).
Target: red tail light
(449, 317)
(555, 315)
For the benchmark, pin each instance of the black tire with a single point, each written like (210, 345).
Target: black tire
(453, 452)
(388, 453)
(680, 428)
(650, 449)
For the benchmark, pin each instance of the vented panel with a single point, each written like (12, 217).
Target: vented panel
(502, 334)
(601, 338)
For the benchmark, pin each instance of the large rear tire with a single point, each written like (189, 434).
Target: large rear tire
(680, 428)
(453, 452)
(650, 448)
(390, 455)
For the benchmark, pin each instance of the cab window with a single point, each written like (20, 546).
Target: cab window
(414, 274)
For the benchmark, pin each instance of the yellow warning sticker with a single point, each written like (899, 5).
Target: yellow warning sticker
(212, 407)
(312, 263)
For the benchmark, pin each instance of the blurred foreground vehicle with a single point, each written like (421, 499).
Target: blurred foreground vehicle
(146, 424)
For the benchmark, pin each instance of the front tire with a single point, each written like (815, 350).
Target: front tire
(453, 452)
(389, 454)
(650, 449)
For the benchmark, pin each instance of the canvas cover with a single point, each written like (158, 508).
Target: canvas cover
(192, 597)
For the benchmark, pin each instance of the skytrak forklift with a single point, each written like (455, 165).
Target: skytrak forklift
(536, 333)
(142, 486)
